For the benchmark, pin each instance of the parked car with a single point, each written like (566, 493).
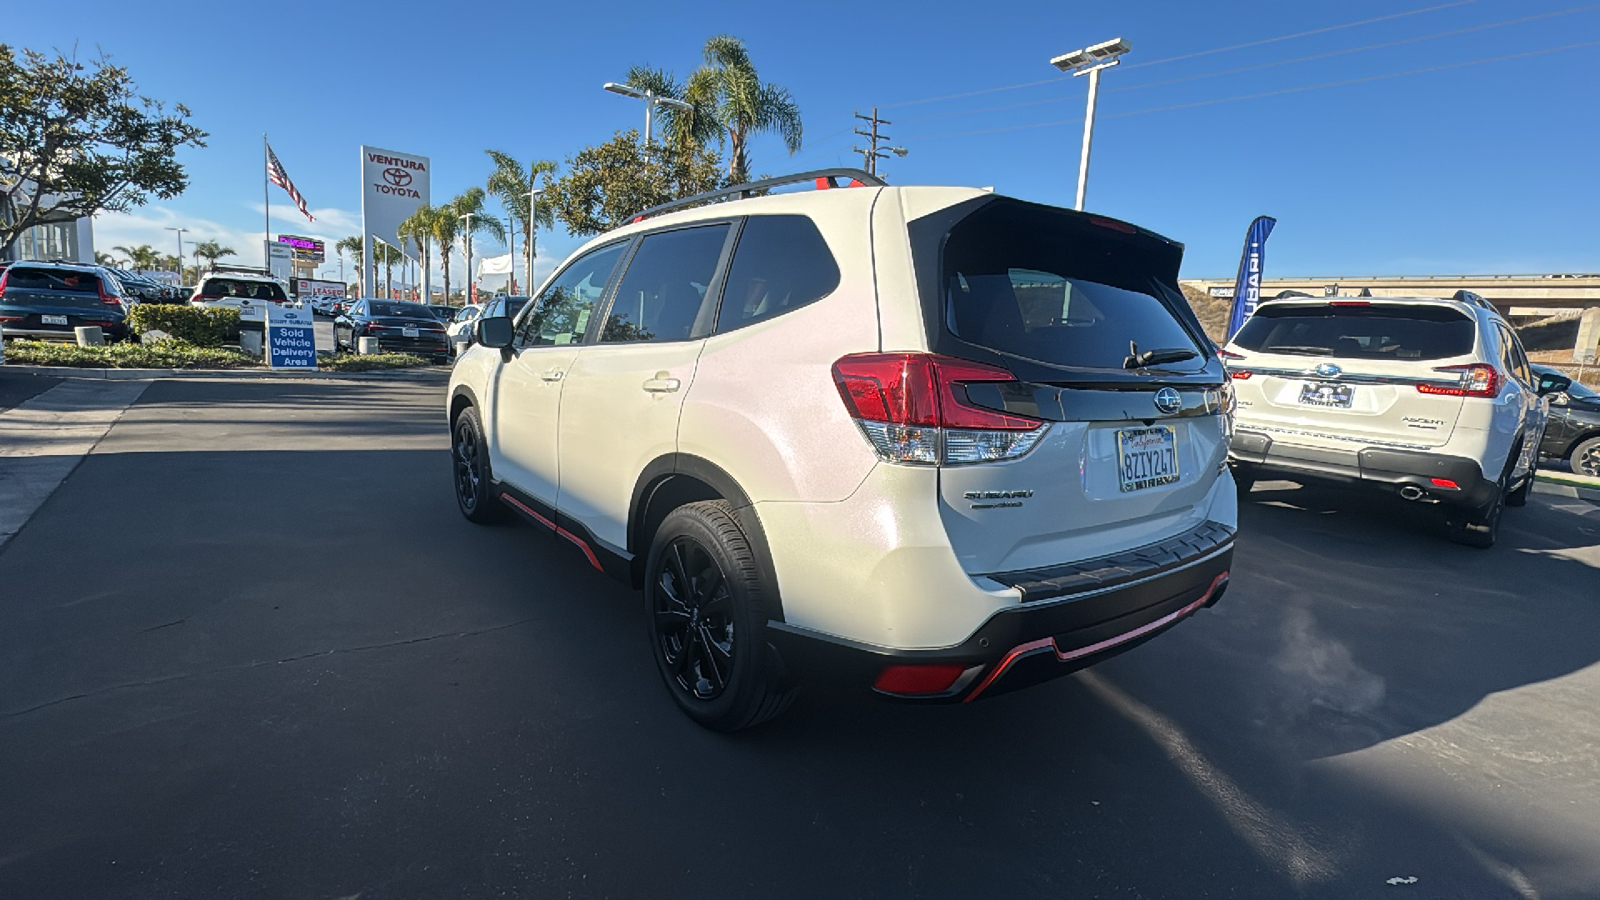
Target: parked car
(47, 301)
(893, 434)
(147, 290)
(239, 290)
(398, 327)
(1573, 434)
(458, 331)
(1429, 398)
(443, 312)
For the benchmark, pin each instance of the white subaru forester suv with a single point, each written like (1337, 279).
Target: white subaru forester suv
(930, 440)
(1430, 398)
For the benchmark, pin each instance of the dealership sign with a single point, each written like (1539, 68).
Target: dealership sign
(306, 288)
(305, 249)
(393, 186)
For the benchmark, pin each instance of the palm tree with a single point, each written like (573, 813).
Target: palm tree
(106, 259)
(211, 251)
(387, 255)
(418, 229)
(449, 226)
(351, 245)
(514, 186)
(687, 129)
(143, 256)
(743, 104)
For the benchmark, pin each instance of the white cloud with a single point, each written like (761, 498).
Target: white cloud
(148, 225)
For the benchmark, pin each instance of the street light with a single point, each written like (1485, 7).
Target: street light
(651, 101)
(533, 226)
(1089, 61)
(180, 232)
(472, 295)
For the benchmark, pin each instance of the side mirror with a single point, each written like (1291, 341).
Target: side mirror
(494, 333)
(1552, 384)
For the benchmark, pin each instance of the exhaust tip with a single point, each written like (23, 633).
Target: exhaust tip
(1412, 492)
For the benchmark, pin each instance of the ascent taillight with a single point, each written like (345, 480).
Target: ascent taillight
(1476, 380)
(913, 408)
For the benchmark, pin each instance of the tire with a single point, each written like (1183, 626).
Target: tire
(1244, 479)
(1519, 496)
(706, 618)
(469, 469)
(1479, 528)
(1585, 458)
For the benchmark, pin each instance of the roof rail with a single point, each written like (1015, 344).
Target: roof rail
(824, 178)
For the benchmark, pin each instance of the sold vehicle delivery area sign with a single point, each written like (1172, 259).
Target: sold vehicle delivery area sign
(291, 338)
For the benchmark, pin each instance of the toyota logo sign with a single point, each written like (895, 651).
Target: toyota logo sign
(397, 176)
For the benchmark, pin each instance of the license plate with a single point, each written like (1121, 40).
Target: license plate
(1147, 457)
(1328, 396)
(53, 320)
(408, 331)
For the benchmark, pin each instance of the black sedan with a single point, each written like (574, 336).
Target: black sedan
(1573, 433)
(397, 326)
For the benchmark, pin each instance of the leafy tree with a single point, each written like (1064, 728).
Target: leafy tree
(607, 185)
(513, 184)
(686, 130)
(77, 139)
(142, 257)
(106, 259)
(469, 202)
(743, 105)
(211, 251)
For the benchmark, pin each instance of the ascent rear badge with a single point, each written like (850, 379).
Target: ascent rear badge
(1168, 401)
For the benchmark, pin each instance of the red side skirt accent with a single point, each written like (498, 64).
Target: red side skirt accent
(558, 530)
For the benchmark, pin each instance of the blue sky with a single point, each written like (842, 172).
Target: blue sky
(1478, 168)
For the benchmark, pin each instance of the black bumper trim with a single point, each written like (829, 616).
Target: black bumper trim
(1378, 466)
(1118, 568)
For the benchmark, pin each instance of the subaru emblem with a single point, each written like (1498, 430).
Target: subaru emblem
(1328, 370)
(1168, 401)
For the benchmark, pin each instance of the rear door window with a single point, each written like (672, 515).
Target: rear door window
(1376, 331)
(236, 287)
(28, 278)
(780, 264)
(1032, 284)
(663, 293)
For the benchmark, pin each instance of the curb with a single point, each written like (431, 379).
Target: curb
(1568, 486)
(428, 373)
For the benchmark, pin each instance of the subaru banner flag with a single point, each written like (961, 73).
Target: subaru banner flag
(1247, 287)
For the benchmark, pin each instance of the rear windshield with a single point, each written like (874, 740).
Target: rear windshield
(1031, 283)
(53, 280)
(1359, 332)
(402, 310)
(235, 287)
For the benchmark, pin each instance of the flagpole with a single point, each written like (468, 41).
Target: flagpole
(266, 206)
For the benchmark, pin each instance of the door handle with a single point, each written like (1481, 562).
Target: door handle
(553, 375)
(663, 383)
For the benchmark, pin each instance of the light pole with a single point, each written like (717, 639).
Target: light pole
(471, 295)
(180, 232)
(1089, 61)
(388, 268)
(651, 101)
(533, 225)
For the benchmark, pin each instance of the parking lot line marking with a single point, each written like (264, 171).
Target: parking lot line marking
(44, 439)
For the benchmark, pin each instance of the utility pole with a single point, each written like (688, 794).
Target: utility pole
(872, 154)
(180, 232)
(471, 294)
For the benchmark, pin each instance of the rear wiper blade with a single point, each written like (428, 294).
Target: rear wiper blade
(1300, 350)
(1148, 358)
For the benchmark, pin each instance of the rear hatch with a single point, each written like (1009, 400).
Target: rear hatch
(1345, 374)
(36, 297)
(1084, 315)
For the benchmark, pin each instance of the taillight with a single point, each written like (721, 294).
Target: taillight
(1240, 374)
(3, 277)
(1477, 380)
(1229, 354)
(913, 408)
(105, 297)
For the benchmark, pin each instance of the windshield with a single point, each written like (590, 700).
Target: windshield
(238, 287)
(400, 310)
(1359, 332)
(1031, 282)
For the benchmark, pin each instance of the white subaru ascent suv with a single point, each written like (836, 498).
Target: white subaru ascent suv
(1430, 398)
(937, 441)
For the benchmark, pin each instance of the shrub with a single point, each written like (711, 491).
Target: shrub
(168, 354)
(368, 362)
(201, 327)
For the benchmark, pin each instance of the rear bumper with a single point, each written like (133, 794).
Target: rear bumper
(1071, 617)
(59, 333)
(1378, 467)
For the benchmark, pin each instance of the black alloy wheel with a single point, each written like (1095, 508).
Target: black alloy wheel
(694, 620)
(1586, 458)
(706, 618)
(470, 465)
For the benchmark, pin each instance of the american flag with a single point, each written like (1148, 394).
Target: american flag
(279, 177)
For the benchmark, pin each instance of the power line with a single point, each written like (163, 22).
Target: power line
(1257, 96)
(1171, 81)
(1154, 62)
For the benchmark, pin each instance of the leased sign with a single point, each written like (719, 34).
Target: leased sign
(393, 185)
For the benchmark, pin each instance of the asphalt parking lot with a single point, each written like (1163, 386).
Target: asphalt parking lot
(250, 649)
